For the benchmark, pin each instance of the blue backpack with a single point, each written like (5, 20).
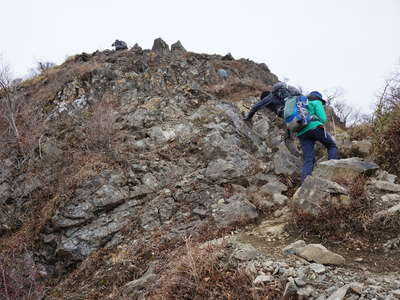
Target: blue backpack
(295, 113)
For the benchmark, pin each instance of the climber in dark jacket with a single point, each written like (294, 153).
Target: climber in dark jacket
(275, 100)
(315, 132)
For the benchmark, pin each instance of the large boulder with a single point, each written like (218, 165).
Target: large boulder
(316, 193)
(347, 169)
(363, 147)
(314, 252)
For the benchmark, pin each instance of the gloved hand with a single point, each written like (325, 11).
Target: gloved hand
(247, 118)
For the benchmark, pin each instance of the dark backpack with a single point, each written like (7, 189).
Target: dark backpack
(295, 114)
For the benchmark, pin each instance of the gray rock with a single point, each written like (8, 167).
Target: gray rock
(273, 187)
(279, 199)
(160, 136)
(348, 169)
(226, 170)
(177, 47)
(390, 198)
(79, 243)
(263, 278)
(158, 212)
(50, 149)
(245, 252)
(387, 212)
(385, 176)
(299, 282)
(340, 293)
(286, 163)
(99, 209)
(395, 284)
(387, 186)
(200, 212)
(133, 288)
(363, 146)
(318, 268)
(290, 289)
(357, 287)
(24, 185)
(316, 192)
(314, 252)
(396, 293)
(306, 292)
(137, 49)
(392, 244)
(5, 192)
(160, 46)
(238, 209)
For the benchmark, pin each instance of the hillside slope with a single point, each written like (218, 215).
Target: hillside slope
(135, 157)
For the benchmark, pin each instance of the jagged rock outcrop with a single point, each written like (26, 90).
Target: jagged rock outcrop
(149, 145)
(177, 47)
(183, 147)
(160, 46)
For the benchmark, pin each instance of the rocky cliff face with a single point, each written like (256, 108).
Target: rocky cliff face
(140, 149)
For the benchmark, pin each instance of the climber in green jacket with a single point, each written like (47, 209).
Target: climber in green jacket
(313, 132)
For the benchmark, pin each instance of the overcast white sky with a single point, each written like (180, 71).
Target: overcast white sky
(317, 44)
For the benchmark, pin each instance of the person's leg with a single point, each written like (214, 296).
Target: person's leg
(307, 143)
(289, 143)
(325, 139)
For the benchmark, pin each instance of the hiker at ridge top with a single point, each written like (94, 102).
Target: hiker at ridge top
(274, 100)
(313, 132)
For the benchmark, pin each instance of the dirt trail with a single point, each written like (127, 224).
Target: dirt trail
(270, 238)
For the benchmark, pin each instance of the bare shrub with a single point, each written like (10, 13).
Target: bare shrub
(99, 129)
(361, 131)
(20, 277)
(206, 274)
(386, 124)
(237, 89)
(41, 66)
(21, 124)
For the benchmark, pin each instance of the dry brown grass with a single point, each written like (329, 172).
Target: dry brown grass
(236, 89)
(205, 273)
(20, 279)
(105, 273)
(19, 138)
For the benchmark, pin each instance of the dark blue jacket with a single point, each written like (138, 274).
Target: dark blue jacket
(272, 102)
